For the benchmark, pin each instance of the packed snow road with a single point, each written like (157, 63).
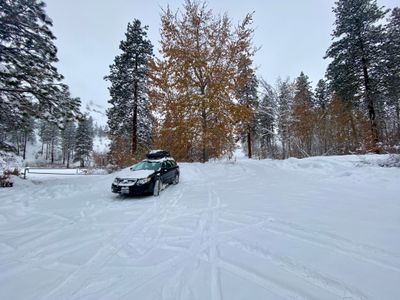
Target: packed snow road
(319, 228)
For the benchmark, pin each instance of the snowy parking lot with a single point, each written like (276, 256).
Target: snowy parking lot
(318, 228)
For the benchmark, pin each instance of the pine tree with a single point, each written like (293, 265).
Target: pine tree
(30, 85)
(356, 58)
(50, 136)
(302, 121)
(285, 94)
(129, 117)
(247, 96)
(19, 135)
(195, 82)
(321, 102)
(84, 140)
(321, 98)
(392, 73)
(266, 121)
(68, 136)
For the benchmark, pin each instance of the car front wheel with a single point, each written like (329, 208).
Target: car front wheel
(157, 187)
(176, 179)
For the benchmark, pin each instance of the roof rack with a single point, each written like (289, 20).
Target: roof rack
(157, 154)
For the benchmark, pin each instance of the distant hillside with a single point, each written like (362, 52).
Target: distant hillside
(96, 111)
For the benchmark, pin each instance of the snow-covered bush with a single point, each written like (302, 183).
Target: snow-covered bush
(392, 161)
(10, 164)
(10, 161)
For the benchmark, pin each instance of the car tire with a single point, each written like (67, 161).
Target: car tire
(176, 179)
(157, 188)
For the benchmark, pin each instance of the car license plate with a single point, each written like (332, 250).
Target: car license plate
(125, 190)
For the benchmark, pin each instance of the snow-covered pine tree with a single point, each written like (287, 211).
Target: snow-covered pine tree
(19, 135)
(285, 94)
(30, 85)
(68, 136)
(321, 101)
(266, 115)
(49, 134)
(129, 118)
(322, 95)
(84, 140)
(247, 96)
(392, 76)
(354, 72)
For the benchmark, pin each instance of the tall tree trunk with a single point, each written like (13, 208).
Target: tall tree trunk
(52, 151)
(18, 144)
(68, 157)
(134, 126)
(370, 107)
(397, 128)
(204, 138)
(135, 107)
(204, 126)
(249, 154)
(25, 142)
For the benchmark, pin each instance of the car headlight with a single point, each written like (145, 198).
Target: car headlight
(143, 180)
(117, 180)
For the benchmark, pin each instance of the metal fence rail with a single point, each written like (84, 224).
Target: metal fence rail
(47, 171)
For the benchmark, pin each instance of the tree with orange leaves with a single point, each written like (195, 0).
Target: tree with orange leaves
(194, 85)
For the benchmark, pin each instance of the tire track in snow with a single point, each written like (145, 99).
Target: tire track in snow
(214, 204)
(208, 233)
(370, 254)
(338, 244)
(174, 288)
(217, 263)
(73, 282)
(270, 285)
(274, 285)
(203, 240)
(153, 217)
(215, 276)
(332, 236)
(324, 282)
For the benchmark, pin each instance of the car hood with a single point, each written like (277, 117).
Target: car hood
(137, 174)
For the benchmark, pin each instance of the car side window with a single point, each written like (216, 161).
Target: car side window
(169, 164)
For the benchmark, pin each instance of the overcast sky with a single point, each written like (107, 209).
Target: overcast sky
(293, 36)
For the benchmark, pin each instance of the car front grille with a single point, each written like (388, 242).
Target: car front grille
(128, 181)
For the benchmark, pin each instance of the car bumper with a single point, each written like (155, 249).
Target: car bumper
(132, 189)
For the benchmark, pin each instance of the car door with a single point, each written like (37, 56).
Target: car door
(167, 178)
(172, 170)
(164, 176)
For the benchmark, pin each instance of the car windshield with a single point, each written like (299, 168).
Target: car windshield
(146, 165)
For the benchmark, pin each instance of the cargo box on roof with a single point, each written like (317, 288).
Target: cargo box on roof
(158, 154)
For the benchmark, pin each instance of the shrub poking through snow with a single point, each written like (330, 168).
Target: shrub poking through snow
(392, 161)
(5, 180)
(10, 163)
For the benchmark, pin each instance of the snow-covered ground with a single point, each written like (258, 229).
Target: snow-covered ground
(318, 228)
